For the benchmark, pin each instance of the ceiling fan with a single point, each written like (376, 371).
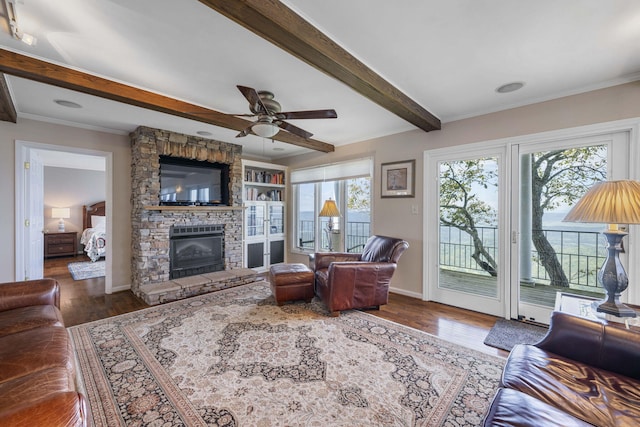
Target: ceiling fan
(270, 119)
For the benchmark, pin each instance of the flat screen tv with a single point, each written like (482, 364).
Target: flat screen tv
(185, 182)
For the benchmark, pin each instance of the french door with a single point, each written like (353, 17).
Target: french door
(464, 230)
(494, 237)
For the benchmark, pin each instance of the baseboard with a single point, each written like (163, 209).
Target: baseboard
(120, 288)
(406, 293)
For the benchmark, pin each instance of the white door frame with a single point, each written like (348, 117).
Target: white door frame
(20, 203)
(632, 126)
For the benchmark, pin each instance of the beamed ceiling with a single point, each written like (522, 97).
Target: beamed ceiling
(384, 67)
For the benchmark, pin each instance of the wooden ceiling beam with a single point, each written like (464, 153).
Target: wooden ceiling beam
(56, 75)
(275, 22)
(7, 109)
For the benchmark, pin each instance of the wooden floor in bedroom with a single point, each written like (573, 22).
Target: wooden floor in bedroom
(83, 301)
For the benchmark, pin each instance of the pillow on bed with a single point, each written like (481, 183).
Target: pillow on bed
(99, 222)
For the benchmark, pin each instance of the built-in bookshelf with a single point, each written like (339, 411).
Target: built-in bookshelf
(263, 181)
(263, 189)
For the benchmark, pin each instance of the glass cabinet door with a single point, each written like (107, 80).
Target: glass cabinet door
(255, 220)
(276, 219)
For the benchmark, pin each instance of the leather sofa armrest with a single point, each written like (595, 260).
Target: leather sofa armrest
(68, 409)
(28, 293)
(595, 343)
(324, 259)
(356, 274)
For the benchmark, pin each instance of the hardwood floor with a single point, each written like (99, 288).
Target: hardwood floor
(84, 301)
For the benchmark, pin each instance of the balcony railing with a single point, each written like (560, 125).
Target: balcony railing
(355, 237)
(581, 253)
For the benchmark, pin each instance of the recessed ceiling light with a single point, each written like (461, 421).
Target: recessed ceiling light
(204, 133)
(510, 87)
(278, 149)
(68, 104)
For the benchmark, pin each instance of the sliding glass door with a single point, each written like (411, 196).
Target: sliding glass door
(467, 240)
(495, 239)
(553, 255)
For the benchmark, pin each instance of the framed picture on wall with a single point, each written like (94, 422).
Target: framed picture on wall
(398, 179)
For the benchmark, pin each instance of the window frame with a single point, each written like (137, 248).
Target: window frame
(341, 201)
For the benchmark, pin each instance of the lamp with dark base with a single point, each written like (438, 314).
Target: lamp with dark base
(613, 277)
(613, 203)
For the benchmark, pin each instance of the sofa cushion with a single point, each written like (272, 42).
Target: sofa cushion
(515, 409)
(594, 395)
(25, 318)
(26, 352)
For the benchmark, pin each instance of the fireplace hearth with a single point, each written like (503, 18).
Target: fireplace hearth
(197, 249)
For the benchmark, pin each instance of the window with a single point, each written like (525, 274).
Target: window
(349, 184)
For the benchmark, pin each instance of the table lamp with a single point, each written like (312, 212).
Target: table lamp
(61, 213)
(329, 210)
(613, 203)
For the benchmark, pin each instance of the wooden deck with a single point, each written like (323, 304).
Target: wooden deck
(486, 285)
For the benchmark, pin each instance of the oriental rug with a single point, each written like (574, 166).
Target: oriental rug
(234, 358)
(86, 270)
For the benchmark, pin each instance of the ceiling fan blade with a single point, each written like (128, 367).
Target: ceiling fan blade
(245, 132)
(253, 98)
(310, 114)
(294, 130)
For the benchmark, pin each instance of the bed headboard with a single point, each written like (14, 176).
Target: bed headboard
(95, 209)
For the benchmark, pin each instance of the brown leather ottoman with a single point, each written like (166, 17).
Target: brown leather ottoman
(290, 282)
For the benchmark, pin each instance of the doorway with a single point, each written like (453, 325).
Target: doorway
(31, 159)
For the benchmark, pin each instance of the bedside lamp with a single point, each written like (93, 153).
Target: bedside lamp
(613, 203)
(329, 210)
(62, 213)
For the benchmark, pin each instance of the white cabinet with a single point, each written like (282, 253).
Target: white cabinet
(264, 214)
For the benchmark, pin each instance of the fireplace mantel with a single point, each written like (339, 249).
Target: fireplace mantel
(193, 208)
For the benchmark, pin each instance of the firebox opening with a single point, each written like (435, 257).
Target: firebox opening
(196, 249)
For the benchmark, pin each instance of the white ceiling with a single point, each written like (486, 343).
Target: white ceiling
(448, 56)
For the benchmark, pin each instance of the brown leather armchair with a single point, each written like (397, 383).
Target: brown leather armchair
(346, 280)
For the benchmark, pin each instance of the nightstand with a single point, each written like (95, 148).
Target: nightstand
(60, 244)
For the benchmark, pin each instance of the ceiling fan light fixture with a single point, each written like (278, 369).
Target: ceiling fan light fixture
(265, 129)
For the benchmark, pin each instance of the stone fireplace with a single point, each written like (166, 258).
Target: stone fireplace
(153, 225)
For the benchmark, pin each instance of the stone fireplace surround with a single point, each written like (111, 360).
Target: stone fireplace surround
(151, 222)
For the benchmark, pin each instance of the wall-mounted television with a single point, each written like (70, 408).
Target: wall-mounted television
(185, 182)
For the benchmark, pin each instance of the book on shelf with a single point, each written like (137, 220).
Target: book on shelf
(264, 177)
(252, 194)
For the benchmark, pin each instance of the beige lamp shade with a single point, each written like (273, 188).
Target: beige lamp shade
(609, 202)
(60, 213)
(329, 209)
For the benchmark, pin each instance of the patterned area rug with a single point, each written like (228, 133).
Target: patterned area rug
(86, 270)
(234, 358)
(507, 333)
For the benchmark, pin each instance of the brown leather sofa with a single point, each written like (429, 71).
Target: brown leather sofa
(345, 280)
(37, 362)
(583, 373)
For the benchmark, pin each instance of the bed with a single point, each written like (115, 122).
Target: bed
(94, 234)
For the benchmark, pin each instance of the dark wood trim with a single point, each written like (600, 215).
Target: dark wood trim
(7, 109)
(56, 75)
(275, 22)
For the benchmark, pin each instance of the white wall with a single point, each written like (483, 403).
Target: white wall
(54, 134)
(71, 188)
(393, 216)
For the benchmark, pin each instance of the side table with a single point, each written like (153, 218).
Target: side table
(60, 244)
